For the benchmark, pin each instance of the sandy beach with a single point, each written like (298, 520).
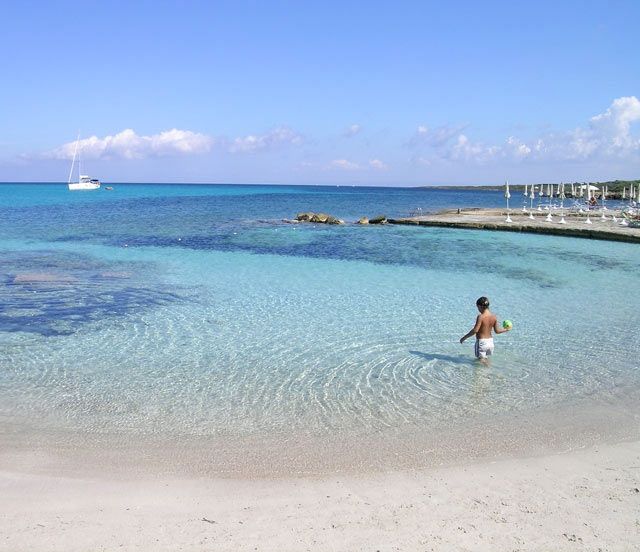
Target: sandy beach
(582, 500)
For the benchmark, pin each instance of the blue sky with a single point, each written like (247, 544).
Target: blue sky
(393, 93)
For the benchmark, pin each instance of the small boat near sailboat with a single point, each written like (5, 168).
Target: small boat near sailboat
(85, 182)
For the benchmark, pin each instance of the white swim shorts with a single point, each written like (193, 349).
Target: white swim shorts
(484, 347)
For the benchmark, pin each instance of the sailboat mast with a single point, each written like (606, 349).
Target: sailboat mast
(75, 152)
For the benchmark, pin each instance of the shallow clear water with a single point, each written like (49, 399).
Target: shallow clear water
(188, 310)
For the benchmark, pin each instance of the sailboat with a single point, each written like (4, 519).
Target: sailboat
(84, 182)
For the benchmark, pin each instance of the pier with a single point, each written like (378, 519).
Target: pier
(495, 219)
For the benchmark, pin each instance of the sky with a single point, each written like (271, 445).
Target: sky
(376, 93)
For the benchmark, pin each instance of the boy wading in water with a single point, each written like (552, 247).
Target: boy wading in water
(485, 322)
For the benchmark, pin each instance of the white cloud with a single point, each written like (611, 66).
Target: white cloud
(378, 165)
(344, 165)
(277, 137)
(615, 122)
(129, 145)
(608, 134)
(605, 136)
(466, 150)
(435, 137)
(517, 148)
(352, 130)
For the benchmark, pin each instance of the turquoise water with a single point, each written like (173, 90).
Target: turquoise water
(193, 310)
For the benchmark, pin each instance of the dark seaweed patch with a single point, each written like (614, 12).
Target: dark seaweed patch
(53, 293)
(429, 249)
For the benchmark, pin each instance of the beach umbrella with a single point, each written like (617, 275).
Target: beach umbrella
(507, 196)
(525, 194)
(532, 195)
(573, 190)
(587, 199)
(540, 195)
(549, 196)
(562, 196)
(624, 193)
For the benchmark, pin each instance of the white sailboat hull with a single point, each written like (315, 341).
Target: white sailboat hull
(84, 185)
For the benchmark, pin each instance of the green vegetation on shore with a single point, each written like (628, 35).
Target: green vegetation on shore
(613, 185)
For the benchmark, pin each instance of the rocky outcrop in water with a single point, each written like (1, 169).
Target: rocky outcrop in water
(380, 219)
(320, 218)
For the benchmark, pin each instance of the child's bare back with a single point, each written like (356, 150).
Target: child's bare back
(486, 322)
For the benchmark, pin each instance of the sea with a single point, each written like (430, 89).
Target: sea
(195, 319)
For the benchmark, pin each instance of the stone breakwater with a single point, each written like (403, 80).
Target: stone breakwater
(590, 225)
(575, 225)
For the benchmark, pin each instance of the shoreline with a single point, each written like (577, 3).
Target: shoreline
(588, 499)
(572, 425)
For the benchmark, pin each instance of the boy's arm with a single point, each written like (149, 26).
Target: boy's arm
(498, 329)
(472, 331)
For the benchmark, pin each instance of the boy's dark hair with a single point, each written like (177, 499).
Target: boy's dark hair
(483, 302)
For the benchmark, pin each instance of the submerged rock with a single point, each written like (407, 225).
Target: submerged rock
(115, 275)
(42, 278)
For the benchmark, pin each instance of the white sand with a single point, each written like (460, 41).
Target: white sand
(584, 500)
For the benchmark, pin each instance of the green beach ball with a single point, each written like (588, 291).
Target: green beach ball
(507, 324)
